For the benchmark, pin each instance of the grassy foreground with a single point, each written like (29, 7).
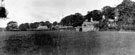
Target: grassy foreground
(67, 43)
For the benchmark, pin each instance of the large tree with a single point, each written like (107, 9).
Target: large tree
(88, 16)
(108, 12)
(73, 20)
(3, 12)
(12, 25)
(48, 24)
(24, 27)
(96, 15)
(127, 14)
(34, 25)
(55, 23)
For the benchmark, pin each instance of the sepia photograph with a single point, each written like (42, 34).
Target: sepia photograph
(67, 27)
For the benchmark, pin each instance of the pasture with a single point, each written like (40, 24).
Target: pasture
(67, 43)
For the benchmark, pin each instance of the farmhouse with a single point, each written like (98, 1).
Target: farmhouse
(87, 26)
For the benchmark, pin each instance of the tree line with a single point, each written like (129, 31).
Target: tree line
(123, 15)
(25, 26)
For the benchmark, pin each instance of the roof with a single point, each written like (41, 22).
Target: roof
(94, 22)
(111, 20)
(42, 27)
(65, 26)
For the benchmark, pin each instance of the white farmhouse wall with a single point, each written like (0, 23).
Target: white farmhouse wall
(89, 28)
(42, 27)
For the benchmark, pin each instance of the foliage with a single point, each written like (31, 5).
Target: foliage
(88, 16)
(108, 12)
(34, 25)
(95, 14)
(3, 12)
(48, 24)
(24, 27)
(102, 25)
(12, 25)
(127, 14)
(72, 20)
(55, 23)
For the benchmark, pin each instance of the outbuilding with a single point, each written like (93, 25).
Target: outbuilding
(42, 28)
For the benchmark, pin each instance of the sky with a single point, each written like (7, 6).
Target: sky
(23, 11)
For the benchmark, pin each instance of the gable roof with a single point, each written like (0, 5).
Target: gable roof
(42, 27)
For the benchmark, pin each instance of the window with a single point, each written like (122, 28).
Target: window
(84, 25)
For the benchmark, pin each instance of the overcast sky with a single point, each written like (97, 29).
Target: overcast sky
(52, 10)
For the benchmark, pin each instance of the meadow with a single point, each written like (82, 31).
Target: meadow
(67, 43)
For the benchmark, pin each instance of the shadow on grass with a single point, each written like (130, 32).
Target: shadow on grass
(75, 43)
(33, 43)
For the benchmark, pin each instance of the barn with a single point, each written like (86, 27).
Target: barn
(42, 28)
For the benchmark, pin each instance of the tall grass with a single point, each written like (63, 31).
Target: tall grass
(18, 44)
(53, 43)
(70, 43)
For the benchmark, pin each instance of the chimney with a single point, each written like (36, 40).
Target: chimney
(91, 20)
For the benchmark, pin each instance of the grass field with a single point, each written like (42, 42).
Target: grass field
(67, 43)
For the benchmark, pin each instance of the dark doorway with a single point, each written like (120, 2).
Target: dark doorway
(80, 29)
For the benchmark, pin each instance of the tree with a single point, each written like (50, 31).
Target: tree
(34, 25)
(42, 23)
(103, 26)
(72, 20)
(88, 16)
(108, 12)
(27, 25)
(24, 27)
(55, 23)
(48, 24)
(12, 25)
(127, 14)
(3, 12)
(96, 15)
